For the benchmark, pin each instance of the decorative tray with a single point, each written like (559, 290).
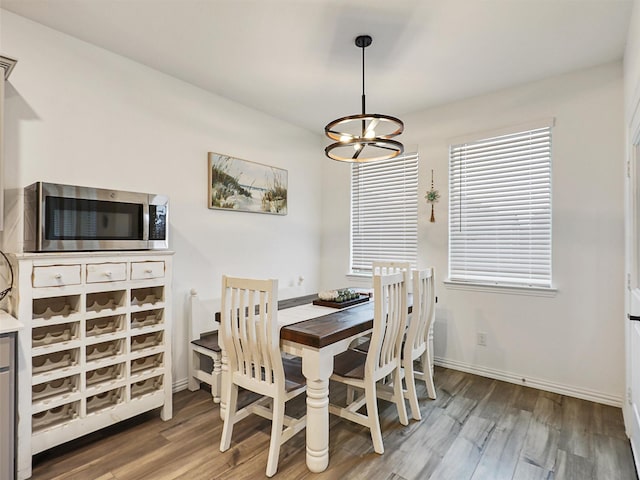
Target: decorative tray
(347, 303)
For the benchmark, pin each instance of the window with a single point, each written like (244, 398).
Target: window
(384, 212)
(500, 209)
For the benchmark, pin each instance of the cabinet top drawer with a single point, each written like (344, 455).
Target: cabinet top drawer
(145, 270)
(56, 276)
(106, 272)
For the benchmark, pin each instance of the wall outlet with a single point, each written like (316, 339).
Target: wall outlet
(482, 339)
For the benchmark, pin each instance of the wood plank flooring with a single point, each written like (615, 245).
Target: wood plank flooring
(477, 429)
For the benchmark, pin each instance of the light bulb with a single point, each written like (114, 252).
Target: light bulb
(357, 146)
(369, 134)
(345, 138)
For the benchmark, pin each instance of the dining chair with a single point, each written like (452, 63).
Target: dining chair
(417, 345)
(386, 267)
(361, 371)
(251, 341)
(379, 267)
(393, 266)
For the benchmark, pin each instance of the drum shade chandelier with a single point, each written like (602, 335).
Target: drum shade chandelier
(366, 137)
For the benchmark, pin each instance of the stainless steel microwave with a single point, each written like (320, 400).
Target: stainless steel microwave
(71, 218)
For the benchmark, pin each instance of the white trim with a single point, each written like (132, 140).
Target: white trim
(180, 385)
(508, 289)
(547, 122)
(634, 116)
(632, 111)
(540, 384)
(357, 275)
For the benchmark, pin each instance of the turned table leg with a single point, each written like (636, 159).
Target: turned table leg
(317, 368)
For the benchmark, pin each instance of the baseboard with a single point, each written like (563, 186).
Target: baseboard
(541, 384)
(180, 385)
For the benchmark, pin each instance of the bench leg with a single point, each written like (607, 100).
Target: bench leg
(194, 360)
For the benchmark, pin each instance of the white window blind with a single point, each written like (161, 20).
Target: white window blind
(384, 212)
(500, 210)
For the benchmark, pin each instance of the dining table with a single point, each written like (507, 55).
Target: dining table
(317, 333)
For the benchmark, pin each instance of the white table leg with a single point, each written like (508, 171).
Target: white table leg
(317, 367)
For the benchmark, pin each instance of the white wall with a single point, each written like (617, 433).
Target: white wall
(632, 63)
(571, 342)
(78, 114)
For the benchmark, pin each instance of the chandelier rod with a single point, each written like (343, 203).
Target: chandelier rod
(363, 96)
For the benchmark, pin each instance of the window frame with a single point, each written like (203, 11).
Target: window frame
(458, 276)
(404, 185)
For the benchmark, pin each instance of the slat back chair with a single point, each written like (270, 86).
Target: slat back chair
(251, 340)
(361, 371)
(417, 345)
(203, 344)
(385, 268)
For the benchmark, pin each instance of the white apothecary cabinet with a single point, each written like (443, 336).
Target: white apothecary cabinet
(96, 347)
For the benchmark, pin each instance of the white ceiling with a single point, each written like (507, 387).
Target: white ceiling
(295, 59)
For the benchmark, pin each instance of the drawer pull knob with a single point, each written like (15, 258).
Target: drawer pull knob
(107, 274)
(58, 276)
(148, 270)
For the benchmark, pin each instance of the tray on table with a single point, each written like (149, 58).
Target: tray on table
(347, 303)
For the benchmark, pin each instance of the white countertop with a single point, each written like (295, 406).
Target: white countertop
(8, 324)
(94, 253)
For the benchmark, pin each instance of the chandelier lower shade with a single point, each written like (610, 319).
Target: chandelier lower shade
(364, 138)
(364, 150)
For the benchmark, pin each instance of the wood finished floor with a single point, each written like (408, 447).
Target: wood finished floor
(476, 429)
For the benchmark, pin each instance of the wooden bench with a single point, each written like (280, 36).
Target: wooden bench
(203, 344)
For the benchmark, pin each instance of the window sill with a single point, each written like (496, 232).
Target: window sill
(359, 275)
(507, 289)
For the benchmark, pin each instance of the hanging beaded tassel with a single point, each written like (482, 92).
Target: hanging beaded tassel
(432, 197)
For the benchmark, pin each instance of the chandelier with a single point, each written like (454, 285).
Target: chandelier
(365, 137)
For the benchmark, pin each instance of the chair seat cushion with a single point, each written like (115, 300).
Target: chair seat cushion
(208, 341)
(350, 364)
(363, 347)
(293, 373)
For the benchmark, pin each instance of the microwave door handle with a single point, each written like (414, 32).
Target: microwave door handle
(145, 222)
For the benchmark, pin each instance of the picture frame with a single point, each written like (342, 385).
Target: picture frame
(244, 186)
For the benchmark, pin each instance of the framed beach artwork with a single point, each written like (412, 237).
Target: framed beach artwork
(244, 186)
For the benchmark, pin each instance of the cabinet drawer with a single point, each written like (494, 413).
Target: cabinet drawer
(56, 275)
(106, 272)
(144, 270)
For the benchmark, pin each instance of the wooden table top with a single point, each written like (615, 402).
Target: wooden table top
(333, 327)
(327, 329)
